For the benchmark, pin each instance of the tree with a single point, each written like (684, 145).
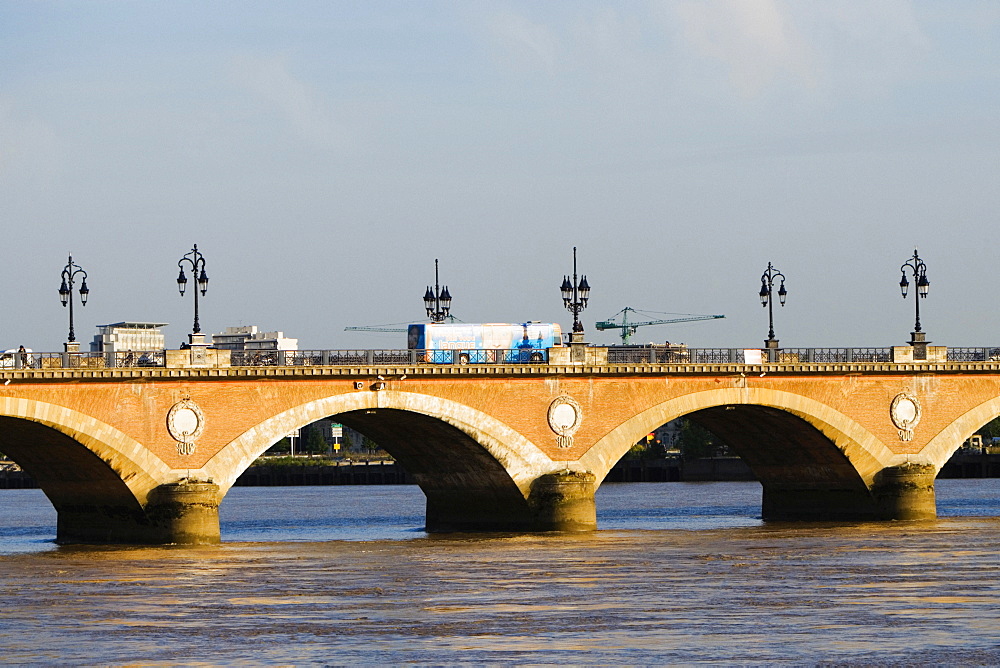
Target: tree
(315, 443)
(696, 442)
(648, 448)
(991, 429)
(281, 447)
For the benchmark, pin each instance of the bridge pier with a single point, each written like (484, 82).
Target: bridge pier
(897, 493)
(105, 524)
(557, 502)
(183, 512)
(906, 492)
(816, 503)
(457, 509)
(564, 501)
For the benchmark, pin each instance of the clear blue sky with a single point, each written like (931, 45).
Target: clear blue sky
(323, 154)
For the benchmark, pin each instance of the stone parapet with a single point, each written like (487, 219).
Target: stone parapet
(579, 354)
(904, 354)
(197, 358)
(559, 355)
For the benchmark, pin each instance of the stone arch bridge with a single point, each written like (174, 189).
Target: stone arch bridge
(147, 454)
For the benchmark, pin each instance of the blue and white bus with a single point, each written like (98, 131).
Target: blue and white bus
(484, 343)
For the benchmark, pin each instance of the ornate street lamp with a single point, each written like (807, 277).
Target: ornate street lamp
(197, 262)
(575, 295)
(767, 299)
(437, 301)
(69, 274)
(919, 269)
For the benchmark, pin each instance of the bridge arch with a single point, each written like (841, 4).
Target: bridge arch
(475, 471)
(124, 459)
(97, 478)
(812, 460)
(944, 444)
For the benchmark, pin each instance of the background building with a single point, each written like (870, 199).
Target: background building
(125, 336)
(248, 337)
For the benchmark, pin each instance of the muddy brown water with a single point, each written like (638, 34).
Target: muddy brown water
(678, 574)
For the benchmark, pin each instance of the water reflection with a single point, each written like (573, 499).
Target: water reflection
(391, 512)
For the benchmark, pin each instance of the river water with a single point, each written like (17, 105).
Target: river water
(679, 573)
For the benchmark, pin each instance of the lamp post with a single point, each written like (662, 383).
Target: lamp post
(917, 337)
(767, 299)
(197, 262)
(575, 295)
(69, 274)
(437, 301)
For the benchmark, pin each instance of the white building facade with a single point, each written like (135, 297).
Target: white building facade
(249, 337)
(125, 336)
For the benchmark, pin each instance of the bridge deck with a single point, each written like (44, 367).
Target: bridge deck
(499, 370)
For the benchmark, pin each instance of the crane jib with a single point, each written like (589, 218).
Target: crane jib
(628, 328)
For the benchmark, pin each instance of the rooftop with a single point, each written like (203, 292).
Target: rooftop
(136, 325)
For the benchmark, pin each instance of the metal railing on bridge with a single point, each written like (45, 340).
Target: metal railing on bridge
(682, 355)
(616, 355)
(87, 360)
(254, 358)
(674, 355)
(973, 354)
(381, 357)
(833, 355)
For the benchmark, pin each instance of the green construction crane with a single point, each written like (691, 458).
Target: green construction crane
(628, 328)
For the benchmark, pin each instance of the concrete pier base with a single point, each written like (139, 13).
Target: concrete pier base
(100, 523)
(905, 492)
(184, 512)
(816, 503)
(564, 502)
(898, 493)
(557, 502)
(451, 510)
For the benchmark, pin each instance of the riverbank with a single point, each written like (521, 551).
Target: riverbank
(305, 471)
(734, 469)
(324, 472)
